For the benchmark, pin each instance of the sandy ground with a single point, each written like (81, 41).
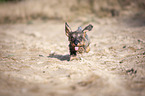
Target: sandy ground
(34, 60)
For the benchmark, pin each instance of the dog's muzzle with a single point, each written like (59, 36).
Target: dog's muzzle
(76, 42)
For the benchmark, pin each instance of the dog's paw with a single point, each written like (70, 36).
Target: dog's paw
(87, 49)
(74, 58)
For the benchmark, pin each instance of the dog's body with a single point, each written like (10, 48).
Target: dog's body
(79, 41)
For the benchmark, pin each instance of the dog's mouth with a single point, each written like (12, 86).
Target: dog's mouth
(79, 49)
(76, 48)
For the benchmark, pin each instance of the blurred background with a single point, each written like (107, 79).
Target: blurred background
(14, 11)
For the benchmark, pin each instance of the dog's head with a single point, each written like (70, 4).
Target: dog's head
(77, 38)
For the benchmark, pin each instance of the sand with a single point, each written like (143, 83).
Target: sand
(34, 60)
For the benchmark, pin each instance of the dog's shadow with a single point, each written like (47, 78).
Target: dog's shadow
(60, 57)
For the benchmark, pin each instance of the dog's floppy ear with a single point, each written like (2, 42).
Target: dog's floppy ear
(67, 29)
(88, 28)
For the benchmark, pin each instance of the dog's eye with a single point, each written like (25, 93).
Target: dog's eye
(72, 38)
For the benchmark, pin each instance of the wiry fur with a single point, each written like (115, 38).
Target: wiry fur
(79, 41)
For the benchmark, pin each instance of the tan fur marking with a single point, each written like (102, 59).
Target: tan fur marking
(87, 49)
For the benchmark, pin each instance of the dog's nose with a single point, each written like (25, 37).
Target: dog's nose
(76, 42)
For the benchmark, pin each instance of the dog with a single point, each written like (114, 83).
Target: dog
(78, 40)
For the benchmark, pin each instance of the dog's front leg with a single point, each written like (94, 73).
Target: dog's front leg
(73, 53)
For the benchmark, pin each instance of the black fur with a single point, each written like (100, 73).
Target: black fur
(79, 41)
